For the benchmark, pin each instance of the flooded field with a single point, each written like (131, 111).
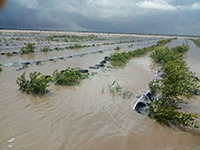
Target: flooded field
(86, 116)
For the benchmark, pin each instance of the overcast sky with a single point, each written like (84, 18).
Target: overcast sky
(128, 16)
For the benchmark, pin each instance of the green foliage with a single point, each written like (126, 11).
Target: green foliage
(93, 73)
(180, 49)
(66, 40)
(24, 66)
(29, 48)
(164, 113)
(59, 48)
(45, 49)
(100, 51)
(164, 41)
(106, 43)
(154, 86)
(120, 59)
(50, 38)
(70, 76)
(17, 39)
(163, 55)
(76, 46)
(71, 38)
(177, 85)
(178, 81)
(0, 67)
(8, 54)
(159, 54)
(196, 41)
(116, 88)
(36, 85)
(127, 94)
(117, 48)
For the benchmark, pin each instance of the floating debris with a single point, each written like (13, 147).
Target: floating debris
(83, 70)
(99, 65)
(93, 67)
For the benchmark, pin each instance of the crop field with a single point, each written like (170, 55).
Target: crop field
(76, 90)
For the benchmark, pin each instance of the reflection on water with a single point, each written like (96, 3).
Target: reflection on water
(30, 56)
(82, 117)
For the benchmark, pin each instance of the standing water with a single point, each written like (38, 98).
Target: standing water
(88, 116)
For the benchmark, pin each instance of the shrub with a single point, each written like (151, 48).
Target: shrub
(36, 85)
(66, 40)
(29, 48)
(45, 49)
(196, 41)
(177, 85)
(76, 46)
(0, 67)
(8, 54)
(17, 39)
(24, 66)
(163, 55)
(180, 49)
(168, 115)
(120, 59)
(70, 76)
(164, 41)
(59, 48)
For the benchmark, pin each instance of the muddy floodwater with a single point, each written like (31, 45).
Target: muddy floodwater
(86, 116)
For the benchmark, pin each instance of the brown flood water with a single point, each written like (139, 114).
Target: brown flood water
(87, 116)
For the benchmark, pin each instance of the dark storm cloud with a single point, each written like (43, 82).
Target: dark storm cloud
(134, 16)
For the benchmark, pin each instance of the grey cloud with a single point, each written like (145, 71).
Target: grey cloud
(133, 16)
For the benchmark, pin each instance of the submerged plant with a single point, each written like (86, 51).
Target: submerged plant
(120, 59)
(126, 93)
(29, 48)
(117, 48)
(76, 46)
(24, 66)
(174, 88)
(116, 88)
(196, 41)
(45, 49)
(70, 76)
(8, 54)
(164, 41)
(0, 67)
(36, 85)
(59, 48)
